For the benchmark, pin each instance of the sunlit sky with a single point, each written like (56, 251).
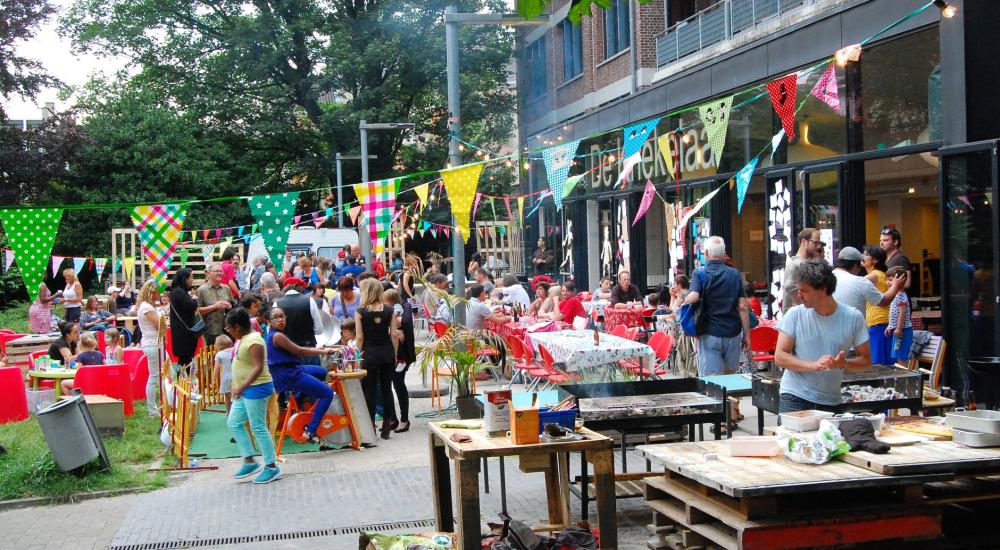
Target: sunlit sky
(57, 56)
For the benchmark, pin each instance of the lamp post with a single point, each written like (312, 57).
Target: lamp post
(340, 184)
(452, 20)
(364, 126)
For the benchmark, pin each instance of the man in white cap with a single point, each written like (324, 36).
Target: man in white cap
(854, 290)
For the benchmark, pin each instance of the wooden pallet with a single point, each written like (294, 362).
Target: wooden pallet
(927, 457)
(703, 516)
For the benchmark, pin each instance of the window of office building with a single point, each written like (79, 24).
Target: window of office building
(617, 33)
(820, 130)
(900, 84)
(572, 49)
(537, 72)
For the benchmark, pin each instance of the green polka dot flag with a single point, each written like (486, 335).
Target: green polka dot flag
(274, 214)
(31, 232)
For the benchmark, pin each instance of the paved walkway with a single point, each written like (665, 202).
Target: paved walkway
(323, 500)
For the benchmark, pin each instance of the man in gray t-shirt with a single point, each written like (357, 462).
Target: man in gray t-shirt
(813, 341)
(810, 246)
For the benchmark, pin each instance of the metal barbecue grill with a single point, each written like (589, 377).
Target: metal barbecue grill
(647, 407)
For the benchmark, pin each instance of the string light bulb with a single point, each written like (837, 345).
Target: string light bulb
(947, 10)
(461, 147)
(686, 139)
(527, 165)
(509, 164)
(611, 157)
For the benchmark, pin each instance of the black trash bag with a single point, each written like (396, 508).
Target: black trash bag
(860, 435)
(576, 538)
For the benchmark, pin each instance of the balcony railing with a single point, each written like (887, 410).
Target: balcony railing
(717, 23)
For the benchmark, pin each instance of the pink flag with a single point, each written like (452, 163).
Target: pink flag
(296, 219)
(475, 205)
(447, 231)
(826, 90)
(318, 221)
(647, 199)
(9, 261)
(354, 214)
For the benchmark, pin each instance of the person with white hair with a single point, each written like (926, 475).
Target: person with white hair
(512, 293)
(725, 318)
(269, 287)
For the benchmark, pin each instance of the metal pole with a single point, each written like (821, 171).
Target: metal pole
(340, 192)
(364, 241)
(454, 155)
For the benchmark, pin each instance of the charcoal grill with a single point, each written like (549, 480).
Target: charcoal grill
(647, 407)
(767, 391)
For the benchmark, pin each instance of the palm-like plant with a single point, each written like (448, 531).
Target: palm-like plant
(459, 350)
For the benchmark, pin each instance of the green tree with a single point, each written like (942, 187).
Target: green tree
(19, 19)
(578, 8)
(292, 78)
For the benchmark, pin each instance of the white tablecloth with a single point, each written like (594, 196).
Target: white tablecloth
(576, 349)
(595, 305)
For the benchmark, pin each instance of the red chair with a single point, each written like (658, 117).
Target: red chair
(439, 328)
(632, 333)
(554, 375)
(7, 335)
(110, 380)
(102, 343)
(620, 331)
(763, 341)
(138, 368)
(14, 405)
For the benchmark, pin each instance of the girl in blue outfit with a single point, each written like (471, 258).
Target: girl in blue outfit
(289, 374)
(900, 323)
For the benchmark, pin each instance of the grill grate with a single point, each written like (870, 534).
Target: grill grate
(222, 541)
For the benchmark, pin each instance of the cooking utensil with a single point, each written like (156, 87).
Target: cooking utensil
(975, 439)
(982, 421)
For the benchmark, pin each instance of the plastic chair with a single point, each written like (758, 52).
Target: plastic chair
(7, 335)
(763, 341)
(110, 380)
(42, 383)
(14, 405)
(138, 368)
(440, 328)
(102, 343)
(554, 375)
(619, 331)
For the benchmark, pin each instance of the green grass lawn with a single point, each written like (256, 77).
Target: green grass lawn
(27, 470)
(15, 317)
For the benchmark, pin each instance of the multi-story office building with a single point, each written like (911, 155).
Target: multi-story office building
(911, 145)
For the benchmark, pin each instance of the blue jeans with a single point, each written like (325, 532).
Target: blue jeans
(791, 403)
(306, 380)
(718, 355)
(254, 410)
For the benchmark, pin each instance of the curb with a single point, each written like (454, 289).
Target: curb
(31, 502)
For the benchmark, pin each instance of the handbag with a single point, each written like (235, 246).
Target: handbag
(692, 321)
(197, 328)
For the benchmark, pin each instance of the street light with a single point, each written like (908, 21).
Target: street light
(364, 126)
(340, 184)
(452, 20)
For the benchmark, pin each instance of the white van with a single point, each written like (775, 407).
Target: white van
(326, 243)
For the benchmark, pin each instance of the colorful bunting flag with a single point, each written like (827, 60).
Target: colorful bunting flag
(647, 199)
(274, 216)
(56, 264)
(353, 213)
(9, 260)
(100, 264)
(159, 227)
(184, 252)
(240, 232)
(743, 182)
(689, 213)
(626, 170)
(207, 251)
(78, 264)
(670, 151)
(520, 210)
(558, 160)
(541, 198)
(224, 246)
(378, 198)
(475, 205)
(826, 90)
(447, 232)
(118, 266)
(637, 134)
(421, 191)
(776, 142)
(128, 266)
(715, 116)
(31, 232)
(461, 185)
(318, 221)
(571, 183)
(847, 53)
(783, 92)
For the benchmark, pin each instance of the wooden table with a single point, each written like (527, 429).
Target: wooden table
(52, 374)
(127, 322)
(741, 502)
(928, 457)
(18, 350)
(550, 458)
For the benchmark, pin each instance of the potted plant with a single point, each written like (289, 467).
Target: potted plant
(459, 354)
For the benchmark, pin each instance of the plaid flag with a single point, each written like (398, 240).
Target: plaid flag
(378, 201)
(159, 227)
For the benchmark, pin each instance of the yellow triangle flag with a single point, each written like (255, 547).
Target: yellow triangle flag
(461, 184)
(128, 264)
(664, 145)
(421, 191)
(520, 210)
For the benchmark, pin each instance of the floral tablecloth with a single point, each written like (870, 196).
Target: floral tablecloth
(523, 326)
(595, 306)
(576, 349)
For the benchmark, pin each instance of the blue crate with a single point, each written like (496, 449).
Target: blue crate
(566, 419)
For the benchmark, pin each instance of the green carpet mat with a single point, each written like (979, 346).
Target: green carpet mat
(212, 438)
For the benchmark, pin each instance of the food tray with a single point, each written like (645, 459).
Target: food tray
(803, 421)
(982, 421)
(975, 439)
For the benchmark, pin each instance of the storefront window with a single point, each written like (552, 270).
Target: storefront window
(970, 245)
(821, 132)
(751, 128)
(747, 245)
(899, 82)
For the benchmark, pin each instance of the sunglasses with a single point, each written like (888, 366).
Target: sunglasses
(886, 230)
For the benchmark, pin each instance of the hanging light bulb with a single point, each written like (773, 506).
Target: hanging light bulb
(527, 165)
(947, 10)
(611, 157)
(461, 147)
(508, 164)
(686, 139)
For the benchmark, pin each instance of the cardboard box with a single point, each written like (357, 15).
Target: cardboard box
(523, 426)
(496, 417)
(108, 414)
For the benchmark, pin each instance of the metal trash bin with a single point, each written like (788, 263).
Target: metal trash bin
(71, 434)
